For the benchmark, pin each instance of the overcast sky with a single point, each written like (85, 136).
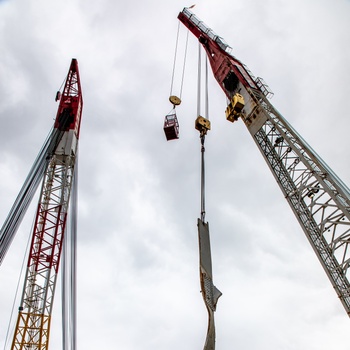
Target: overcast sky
(139, 199)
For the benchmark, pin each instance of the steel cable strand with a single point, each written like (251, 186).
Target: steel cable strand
(22, 202)
(27, 192)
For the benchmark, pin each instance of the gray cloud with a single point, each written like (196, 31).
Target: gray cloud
(138, 281)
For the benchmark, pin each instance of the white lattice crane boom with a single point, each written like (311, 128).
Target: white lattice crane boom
(318, 198)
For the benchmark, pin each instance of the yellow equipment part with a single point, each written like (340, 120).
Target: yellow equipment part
(32, 331)
(202, 124)
(235, 107)
(175, 100)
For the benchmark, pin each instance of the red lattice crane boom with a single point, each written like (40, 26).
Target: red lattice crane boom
(33, 322)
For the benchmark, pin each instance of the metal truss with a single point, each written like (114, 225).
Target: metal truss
(319, 200)
(33, 324)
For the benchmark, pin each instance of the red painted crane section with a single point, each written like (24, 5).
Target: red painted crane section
(33, 323)
(227, 69)
(71, 102)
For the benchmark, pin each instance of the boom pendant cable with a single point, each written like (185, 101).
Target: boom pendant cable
(27, 192)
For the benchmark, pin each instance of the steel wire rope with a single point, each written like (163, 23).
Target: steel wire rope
(63, 292)
(174, 63)
(28, 190)
(64, 80)
(199, 85)
(199, 73)
(73, 290)
(64, 302)
(17, 287)
(69, 260)
(202, 133)
(202, 179)
(184, 65)
(23, 199)
(206, 90)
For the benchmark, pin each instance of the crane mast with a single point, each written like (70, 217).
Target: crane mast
(318, 198)
(34, 317)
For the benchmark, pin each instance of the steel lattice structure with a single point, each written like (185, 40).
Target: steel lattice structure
(318, 198)
(34, 317)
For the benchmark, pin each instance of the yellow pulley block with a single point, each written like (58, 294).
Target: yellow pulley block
(175, 100)
(202, 125)
(235, 107)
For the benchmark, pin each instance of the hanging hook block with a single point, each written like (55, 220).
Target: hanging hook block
(175, 100)
(202, 125)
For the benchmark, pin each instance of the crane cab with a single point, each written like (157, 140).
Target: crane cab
(171, 127)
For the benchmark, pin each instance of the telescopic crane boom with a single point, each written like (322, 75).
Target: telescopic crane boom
(318, 198)
(34, 317)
